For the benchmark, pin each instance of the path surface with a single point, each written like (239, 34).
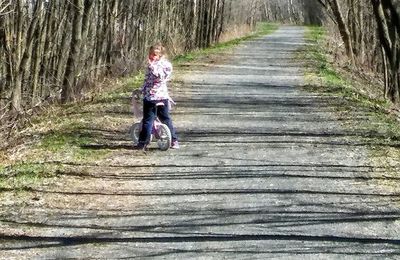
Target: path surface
(264, 171)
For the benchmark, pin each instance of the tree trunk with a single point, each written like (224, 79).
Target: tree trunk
(37, 60)
(343, 29)
(74, 51)
(389, 34)
(22, 69)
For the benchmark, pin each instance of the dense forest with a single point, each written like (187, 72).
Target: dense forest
(56, 50)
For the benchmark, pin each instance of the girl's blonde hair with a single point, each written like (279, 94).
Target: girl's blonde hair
(158, 45)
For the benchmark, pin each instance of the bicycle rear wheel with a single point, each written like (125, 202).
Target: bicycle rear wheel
(134, 132)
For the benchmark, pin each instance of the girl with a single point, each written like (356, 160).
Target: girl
(155, 92)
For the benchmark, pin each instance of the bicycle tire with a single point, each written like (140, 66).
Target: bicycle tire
(165, 137)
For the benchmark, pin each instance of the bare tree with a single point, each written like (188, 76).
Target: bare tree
(335, 7)
(388, 22)
(4, 6)
(370, 32)
(52, 49)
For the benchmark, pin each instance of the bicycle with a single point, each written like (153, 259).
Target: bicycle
(159, 132)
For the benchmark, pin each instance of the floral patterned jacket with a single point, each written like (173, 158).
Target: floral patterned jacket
(157, 75)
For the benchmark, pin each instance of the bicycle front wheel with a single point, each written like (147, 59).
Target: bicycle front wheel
(164, 137)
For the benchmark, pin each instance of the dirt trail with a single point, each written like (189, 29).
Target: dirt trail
(264, 171)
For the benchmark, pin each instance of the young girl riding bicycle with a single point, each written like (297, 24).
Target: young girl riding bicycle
(156, 99)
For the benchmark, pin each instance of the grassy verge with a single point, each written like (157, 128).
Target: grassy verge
(332, 77)
(327, 78)
(79, 133)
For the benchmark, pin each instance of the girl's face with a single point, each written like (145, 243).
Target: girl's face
(155, 54)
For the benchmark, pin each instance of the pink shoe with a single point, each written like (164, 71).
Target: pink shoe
(175, 145)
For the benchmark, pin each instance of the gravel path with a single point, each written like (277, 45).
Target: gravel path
(264, 171)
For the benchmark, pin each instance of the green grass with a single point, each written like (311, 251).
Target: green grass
(45, 159)
(24, 175)
(67, 133)
(331, 78)
(124, 88)
(62, 136)
(315, 33)
(335, 84)
(72, 141)
(320, 65)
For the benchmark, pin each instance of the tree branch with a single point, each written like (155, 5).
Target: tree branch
(3, 8)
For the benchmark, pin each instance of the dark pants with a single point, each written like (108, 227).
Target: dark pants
(150, 112)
